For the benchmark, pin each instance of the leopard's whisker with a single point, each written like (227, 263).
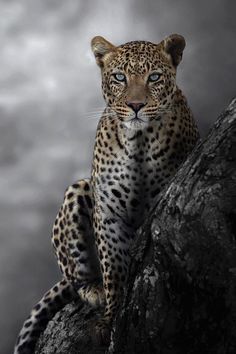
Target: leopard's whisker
(98, 116)
(102, 111)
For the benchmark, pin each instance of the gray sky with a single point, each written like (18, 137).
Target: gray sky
(49, 85)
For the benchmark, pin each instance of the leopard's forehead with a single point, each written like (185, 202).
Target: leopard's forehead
(138, 57)
(137, 47)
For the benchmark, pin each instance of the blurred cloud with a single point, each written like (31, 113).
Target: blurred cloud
(49, 85)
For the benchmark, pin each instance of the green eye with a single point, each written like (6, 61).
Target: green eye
(154, 77)
(119, 77)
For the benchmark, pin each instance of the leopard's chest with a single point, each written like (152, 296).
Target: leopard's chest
(130, 168)
(126, 184)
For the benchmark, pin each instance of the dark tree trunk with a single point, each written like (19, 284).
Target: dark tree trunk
(181, 293)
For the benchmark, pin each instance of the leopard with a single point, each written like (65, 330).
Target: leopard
(145, 133)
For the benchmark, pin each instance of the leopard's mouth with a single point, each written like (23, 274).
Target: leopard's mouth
(136, 119)
(141, 118)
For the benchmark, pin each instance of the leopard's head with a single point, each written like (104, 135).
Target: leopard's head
(139, 78)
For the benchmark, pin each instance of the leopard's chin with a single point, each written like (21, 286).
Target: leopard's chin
(135, 123)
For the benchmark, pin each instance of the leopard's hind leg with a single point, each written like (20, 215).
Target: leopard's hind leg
(74, 243)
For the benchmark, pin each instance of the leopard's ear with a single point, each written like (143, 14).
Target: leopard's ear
(174, 46)
(102, 50)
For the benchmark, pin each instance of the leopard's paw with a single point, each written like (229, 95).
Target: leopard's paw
(93, 294)
(102, 333)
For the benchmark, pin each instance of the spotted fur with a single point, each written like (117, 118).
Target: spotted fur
(144, 134)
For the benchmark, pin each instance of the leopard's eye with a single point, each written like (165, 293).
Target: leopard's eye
(119, 77)
(154, 77)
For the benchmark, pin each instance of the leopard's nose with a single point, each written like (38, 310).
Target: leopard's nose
(136, 106)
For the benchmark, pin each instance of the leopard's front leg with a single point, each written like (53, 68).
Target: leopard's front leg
(113, 239)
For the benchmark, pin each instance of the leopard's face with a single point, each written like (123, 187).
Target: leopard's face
(139, 82)
(138, 78)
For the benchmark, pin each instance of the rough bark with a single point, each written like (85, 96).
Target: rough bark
(181, 293)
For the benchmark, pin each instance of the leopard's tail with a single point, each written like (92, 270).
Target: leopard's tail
(55, 299)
